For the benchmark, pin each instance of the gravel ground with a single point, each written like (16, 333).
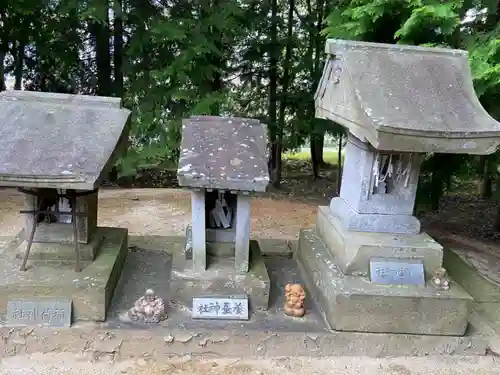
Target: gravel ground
(66, 364)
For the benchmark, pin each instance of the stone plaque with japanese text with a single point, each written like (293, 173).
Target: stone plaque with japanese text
(45, 312)
(231, 308)
(397, 271)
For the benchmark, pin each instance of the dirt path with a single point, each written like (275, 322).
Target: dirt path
(167, 212)
(65, 364)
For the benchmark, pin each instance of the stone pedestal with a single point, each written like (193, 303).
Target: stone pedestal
(353, 303)
(221, 278)
(372, 221)
(220, 262)
(54, 241)
(90, 290)
(353, 250)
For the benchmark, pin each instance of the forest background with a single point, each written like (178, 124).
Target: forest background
(169, 59)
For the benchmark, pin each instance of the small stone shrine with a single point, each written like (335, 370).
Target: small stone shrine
(367, 261)
(57, 149)
(223, 161)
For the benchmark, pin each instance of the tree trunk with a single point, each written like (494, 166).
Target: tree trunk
(19, 67)
(439, 179)
(315, 151)
(496, 225)
(216, 83)
(339, 165)
(319, 139)
(3, 52)
(284, 89)
(118, 47)
(100, 34)
(487, 179)
(275, 154)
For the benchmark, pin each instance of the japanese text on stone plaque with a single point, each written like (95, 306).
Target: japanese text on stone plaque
(220, 308)
(50, 313)
(385, 271)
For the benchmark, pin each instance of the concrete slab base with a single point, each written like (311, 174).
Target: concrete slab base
(267, 334)
(90, 290)
(352, 250)
(221, 279)
(353, 303)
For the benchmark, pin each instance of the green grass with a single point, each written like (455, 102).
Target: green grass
(330, 157)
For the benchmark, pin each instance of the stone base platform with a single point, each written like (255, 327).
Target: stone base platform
(353, 303)
(266, 334)
(91, 290)
(352, 250)
(62, 252)
(221, 279)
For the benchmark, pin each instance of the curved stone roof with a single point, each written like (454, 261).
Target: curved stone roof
(58, 140)
(405, 98)
(223, 153)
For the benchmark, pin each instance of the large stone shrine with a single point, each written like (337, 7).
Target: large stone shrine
(223, 161)
(57, 149)
(367, 261)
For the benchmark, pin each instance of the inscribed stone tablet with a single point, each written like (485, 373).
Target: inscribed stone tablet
(53, 313)
(397, 271)
(231, 308)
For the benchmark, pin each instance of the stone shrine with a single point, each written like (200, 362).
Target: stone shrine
(57, 149)
(367, 261)
(223, 161)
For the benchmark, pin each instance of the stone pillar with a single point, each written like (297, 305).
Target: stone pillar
(242, 243)
(387, 208)
(198, 229)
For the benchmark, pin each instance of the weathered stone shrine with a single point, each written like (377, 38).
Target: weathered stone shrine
(367, 261)
(223, 160)
(56, 149)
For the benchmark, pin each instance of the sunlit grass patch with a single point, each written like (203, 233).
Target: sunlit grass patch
(330, 157)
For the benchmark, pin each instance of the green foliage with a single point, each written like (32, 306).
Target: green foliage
(430, 23)
(179, 58)
(484, 53)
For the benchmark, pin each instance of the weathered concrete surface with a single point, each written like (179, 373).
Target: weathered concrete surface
(151, 268)
(470, 267)
(64, 251)
(352, 250)
(69, 146)
(223, 153)
(90, 290)
(221, 279)
(405, 98)
(162, 343)
(69, 363)
(182, 337)
(353, 303)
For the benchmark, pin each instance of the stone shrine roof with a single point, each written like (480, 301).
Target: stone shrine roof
(61, 141)
(223, 153)
(405, 98)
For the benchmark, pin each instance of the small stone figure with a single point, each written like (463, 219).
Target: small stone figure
(294, 303)
(441, 280)
(149, 308)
